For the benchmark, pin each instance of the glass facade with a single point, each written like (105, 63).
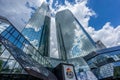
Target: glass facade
(55, 61)
(79, 63)
(73, 40)
(100, 45)
(82, 69)
(14, 44)
(86, 75)
(106, 63)
(7, 63)
(28, 52)
(37, 30)
(16, 38)
(105, 56)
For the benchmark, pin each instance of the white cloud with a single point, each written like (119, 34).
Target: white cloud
(53, 39)
(109, 35)
(80, 10)
(54, 52)
(17, 11)
(35, 42)
(3, 26)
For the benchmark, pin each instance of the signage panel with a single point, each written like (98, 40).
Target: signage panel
(69, 72)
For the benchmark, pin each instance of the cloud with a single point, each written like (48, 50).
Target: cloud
(80, 10)
(109, 35)
(3, 26)
(30, 6)
(17, 11)
(53, 39)
(35, 42)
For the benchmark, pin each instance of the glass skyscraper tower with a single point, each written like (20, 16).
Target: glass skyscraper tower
(37, 31)
(26, 53)
(73, 40)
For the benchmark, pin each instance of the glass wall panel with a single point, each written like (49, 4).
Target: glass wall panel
(9, 28)
(2, 48)
(12, 39)
(73, 40)
(7, 35)
(4, 33)
(17, 68)
(15, 33)
(37, 30)
(5, 54)
(2, 63)
(104, 58)
(15, 45)
(3, 25)
(79, 63)
(9, 66)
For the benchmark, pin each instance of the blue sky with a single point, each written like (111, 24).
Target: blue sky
(106, 10)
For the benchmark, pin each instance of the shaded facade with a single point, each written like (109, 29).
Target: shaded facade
(73, 40)
(37, 30)
(105, 63)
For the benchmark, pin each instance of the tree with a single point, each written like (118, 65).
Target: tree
(1, 64)
(0, 48)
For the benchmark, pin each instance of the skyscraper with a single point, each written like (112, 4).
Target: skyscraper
(37, 30)
(73, 40)
(27, 53)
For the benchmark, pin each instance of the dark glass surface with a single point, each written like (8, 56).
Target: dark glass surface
(24, 53)
(105, 56)
(29, 64)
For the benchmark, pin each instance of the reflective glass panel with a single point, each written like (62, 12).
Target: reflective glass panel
(73, 40)
(3, 25)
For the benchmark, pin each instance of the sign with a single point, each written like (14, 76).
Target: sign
(69, 72)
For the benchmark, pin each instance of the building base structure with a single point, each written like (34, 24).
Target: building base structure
(65, 72)
(17, 77)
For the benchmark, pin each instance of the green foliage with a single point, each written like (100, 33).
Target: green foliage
(117, 72)
(17, 70)
(1, 64)
(0, 48)
(6, 69)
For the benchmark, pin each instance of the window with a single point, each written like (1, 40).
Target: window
(15, 34)
(9, 28)
(11, 31)
(12, 39)
(22, 39)
(19, 44)
(4, 33)
(2, 48)
(7, 36)
(5, 54)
